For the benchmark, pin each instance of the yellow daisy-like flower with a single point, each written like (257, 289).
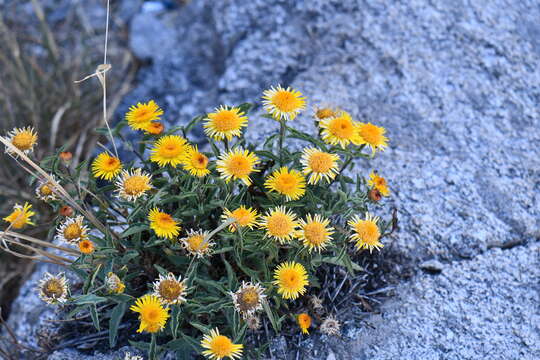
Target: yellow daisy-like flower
(225, 122)
(106, 166)
(163, 224)
(340, 130)
(195, 162)
(24, 139)
(170, 290)
(114, 284)
(20, 216)
(248, 299)
(219, 346)
(152, 315)
(379, 183)
(283, 104)
(237, 164)
(196, 243)
(304, 321)
(319, 165)
(53, 289)
(169, 150)
(373, 136)
(140, 117)
(315, 232)
(45, 190)
(243, 216)
(287, 182)
(155, 128)
(366, 232)
(291, 279)
(133, 184)
(72, 230)
(86, 246)
(280, 223)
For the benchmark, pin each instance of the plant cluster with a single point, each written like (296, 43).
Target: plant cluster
(198, 249)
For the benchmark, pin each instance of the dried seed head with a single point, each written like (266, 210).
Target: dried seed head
(53, 289)
(253, 322)
(248, 299)
(374, 195)
(316, 302)
(330, 326)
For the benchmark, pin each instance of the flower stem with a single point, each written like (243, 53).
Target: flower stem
(282, 131)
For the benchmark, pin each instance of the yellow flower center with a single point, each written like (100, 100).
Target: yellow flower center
(23, 140)
(53, 288)
(72, 231)
(135, 185)
(170, 150)
(170, 289)
(342, 128)
(286, 101)
(226, 120)
(143, 114)
(221, 346)
(325, 113)
(242, 216)
(379, 181)
(165, 220)
(372, 134)
(151, 314)
(290, 279)
(45, 190)
(286, 182)
(321, 162)
(110, 164)
(199, 161)
(197, 243)
(279, 225)
(239, 166)
(368, 231)
(304, 320)
(315, 233)
(19, 219)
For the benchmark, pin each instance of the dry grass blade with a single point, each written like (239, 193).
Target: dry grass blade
(38, 242)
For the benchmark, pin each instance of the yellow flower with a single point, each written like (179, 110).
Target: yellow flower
(237, 164)
(45, 190)
(366, 232)
(133, 184)
(283, 104)
(304, 321)
(373, 136)
(20, 216)
(196, 243)
(287, 182)
(339, 130)
(53, 289)
(163, 224)
(219, 346)
(152, 315)
(72, 230)
(155, 128)
(106, 166)
(248, 299)
(169, 150)
(170, 290)
(195, 163)
(291, 279)
(140, 117)
(280, 224)
(319, 165)
(114, 284)
(225, 122)
(24, 139)
(325, 112)
(315, 233)
(379, 183)
(86, 246)
(243, 216)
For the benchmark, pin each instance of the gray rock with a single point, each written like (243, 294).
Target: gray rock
(432, 266)
(478, 309)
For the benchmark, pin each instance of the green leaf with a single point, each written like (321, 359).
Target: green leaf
(88, 299)
(134, 229)
(95, 317)
(116, 317)
(90, 280)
